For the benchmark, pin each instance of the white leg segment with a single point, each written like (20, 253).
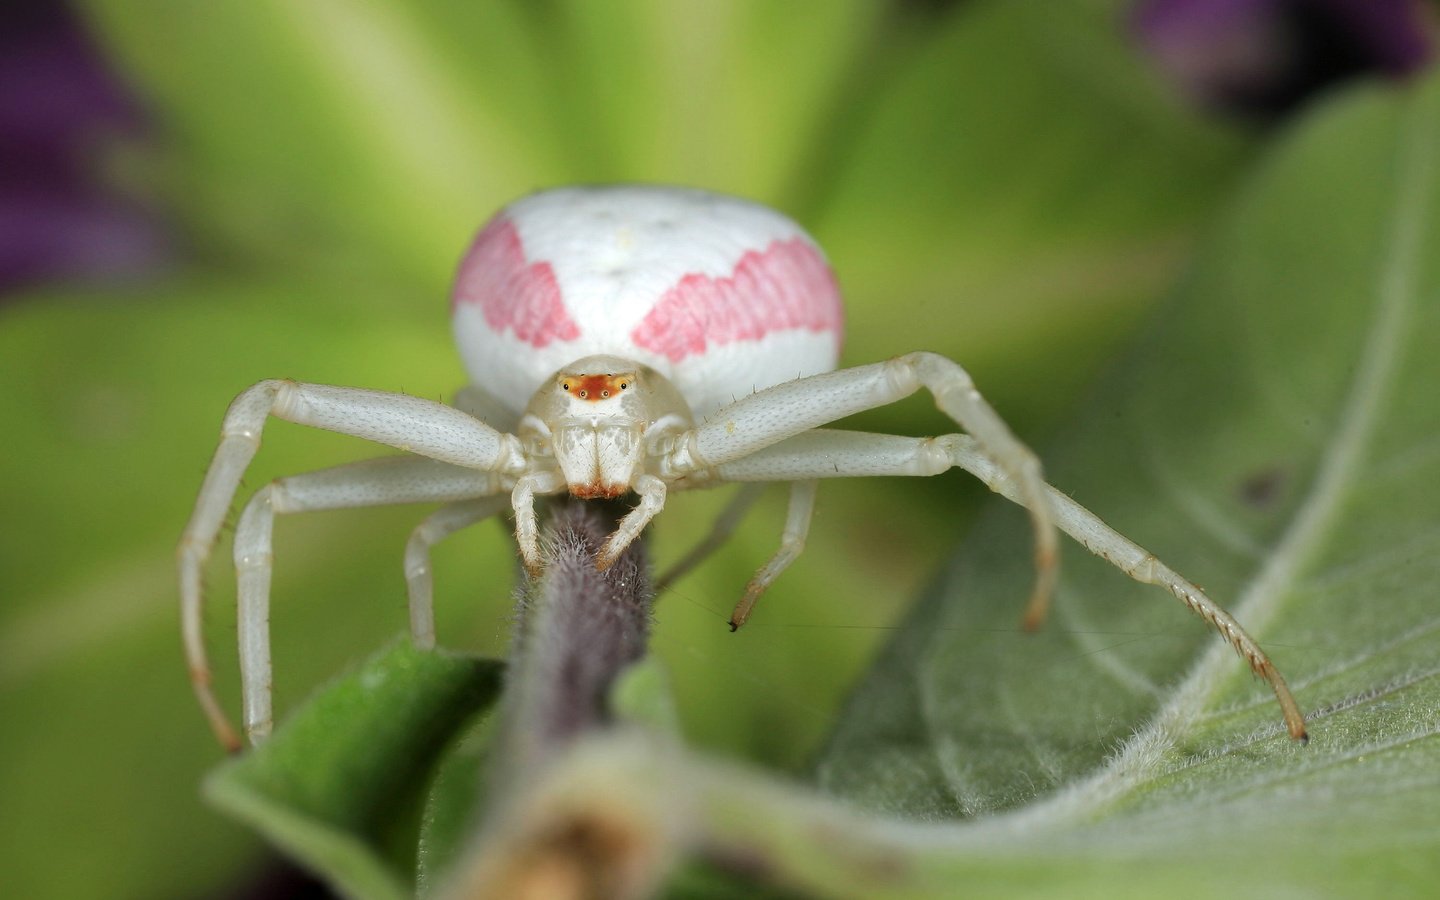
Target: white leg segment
(409, 423)
(373, 482)
(832, 453)
(792, 541)
(720, 531)
(527, 528)
(785, 410)
(839, 454)
(253, 565)
(652, 500)
(418, 578)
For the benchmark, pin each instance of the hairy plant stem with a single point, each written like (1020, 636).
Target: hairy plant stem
(577, 629)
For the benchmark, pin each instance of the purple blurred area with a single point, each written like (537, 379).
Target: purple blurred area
(1263, 58)
(61, 109)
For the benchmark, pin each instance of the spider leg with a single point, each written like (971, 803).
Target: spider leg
(769, 416)
(527, 527)
(409, 423)
(418, 577)
(792, 541)
(720, 531)
(652, 499)
(372, 482)
(837, 454)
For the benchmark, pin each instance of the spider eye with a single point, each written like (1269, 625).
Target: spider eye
(584, 394)
(624, 385)
(604, 393)
(565, 386)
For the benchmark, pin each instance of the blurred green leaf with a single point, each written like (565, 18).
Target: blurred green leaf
(1013, 191)
(303, 129)
(642, 696)
(341, 787)
(300, 130)
(730, 96)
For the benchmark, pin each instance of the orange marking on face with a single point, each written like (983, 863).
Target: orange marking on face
(598, 491)
(595, 388)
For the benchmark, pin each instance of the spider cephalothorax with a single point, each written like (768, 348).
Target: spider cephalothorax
(600, 418)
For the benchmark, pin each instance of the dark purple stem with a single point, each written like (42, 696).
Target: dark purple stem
(578, 628)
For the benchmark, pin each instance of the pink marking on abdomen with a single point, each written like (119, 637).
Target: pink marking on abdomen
(511, 293)
(786, 286)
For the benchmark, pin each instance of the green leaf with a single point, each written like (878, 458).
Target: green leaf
(454, 804)
(341, 786)
(1273, 437)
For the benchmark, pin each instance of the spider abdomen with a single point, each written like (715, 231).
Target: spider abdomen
(720, 295)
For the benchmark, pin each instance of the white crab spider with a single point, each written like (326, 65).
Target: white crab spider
(630, 318)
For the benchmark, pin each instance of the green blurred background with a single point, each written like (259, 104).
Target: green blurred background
(289, 186)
